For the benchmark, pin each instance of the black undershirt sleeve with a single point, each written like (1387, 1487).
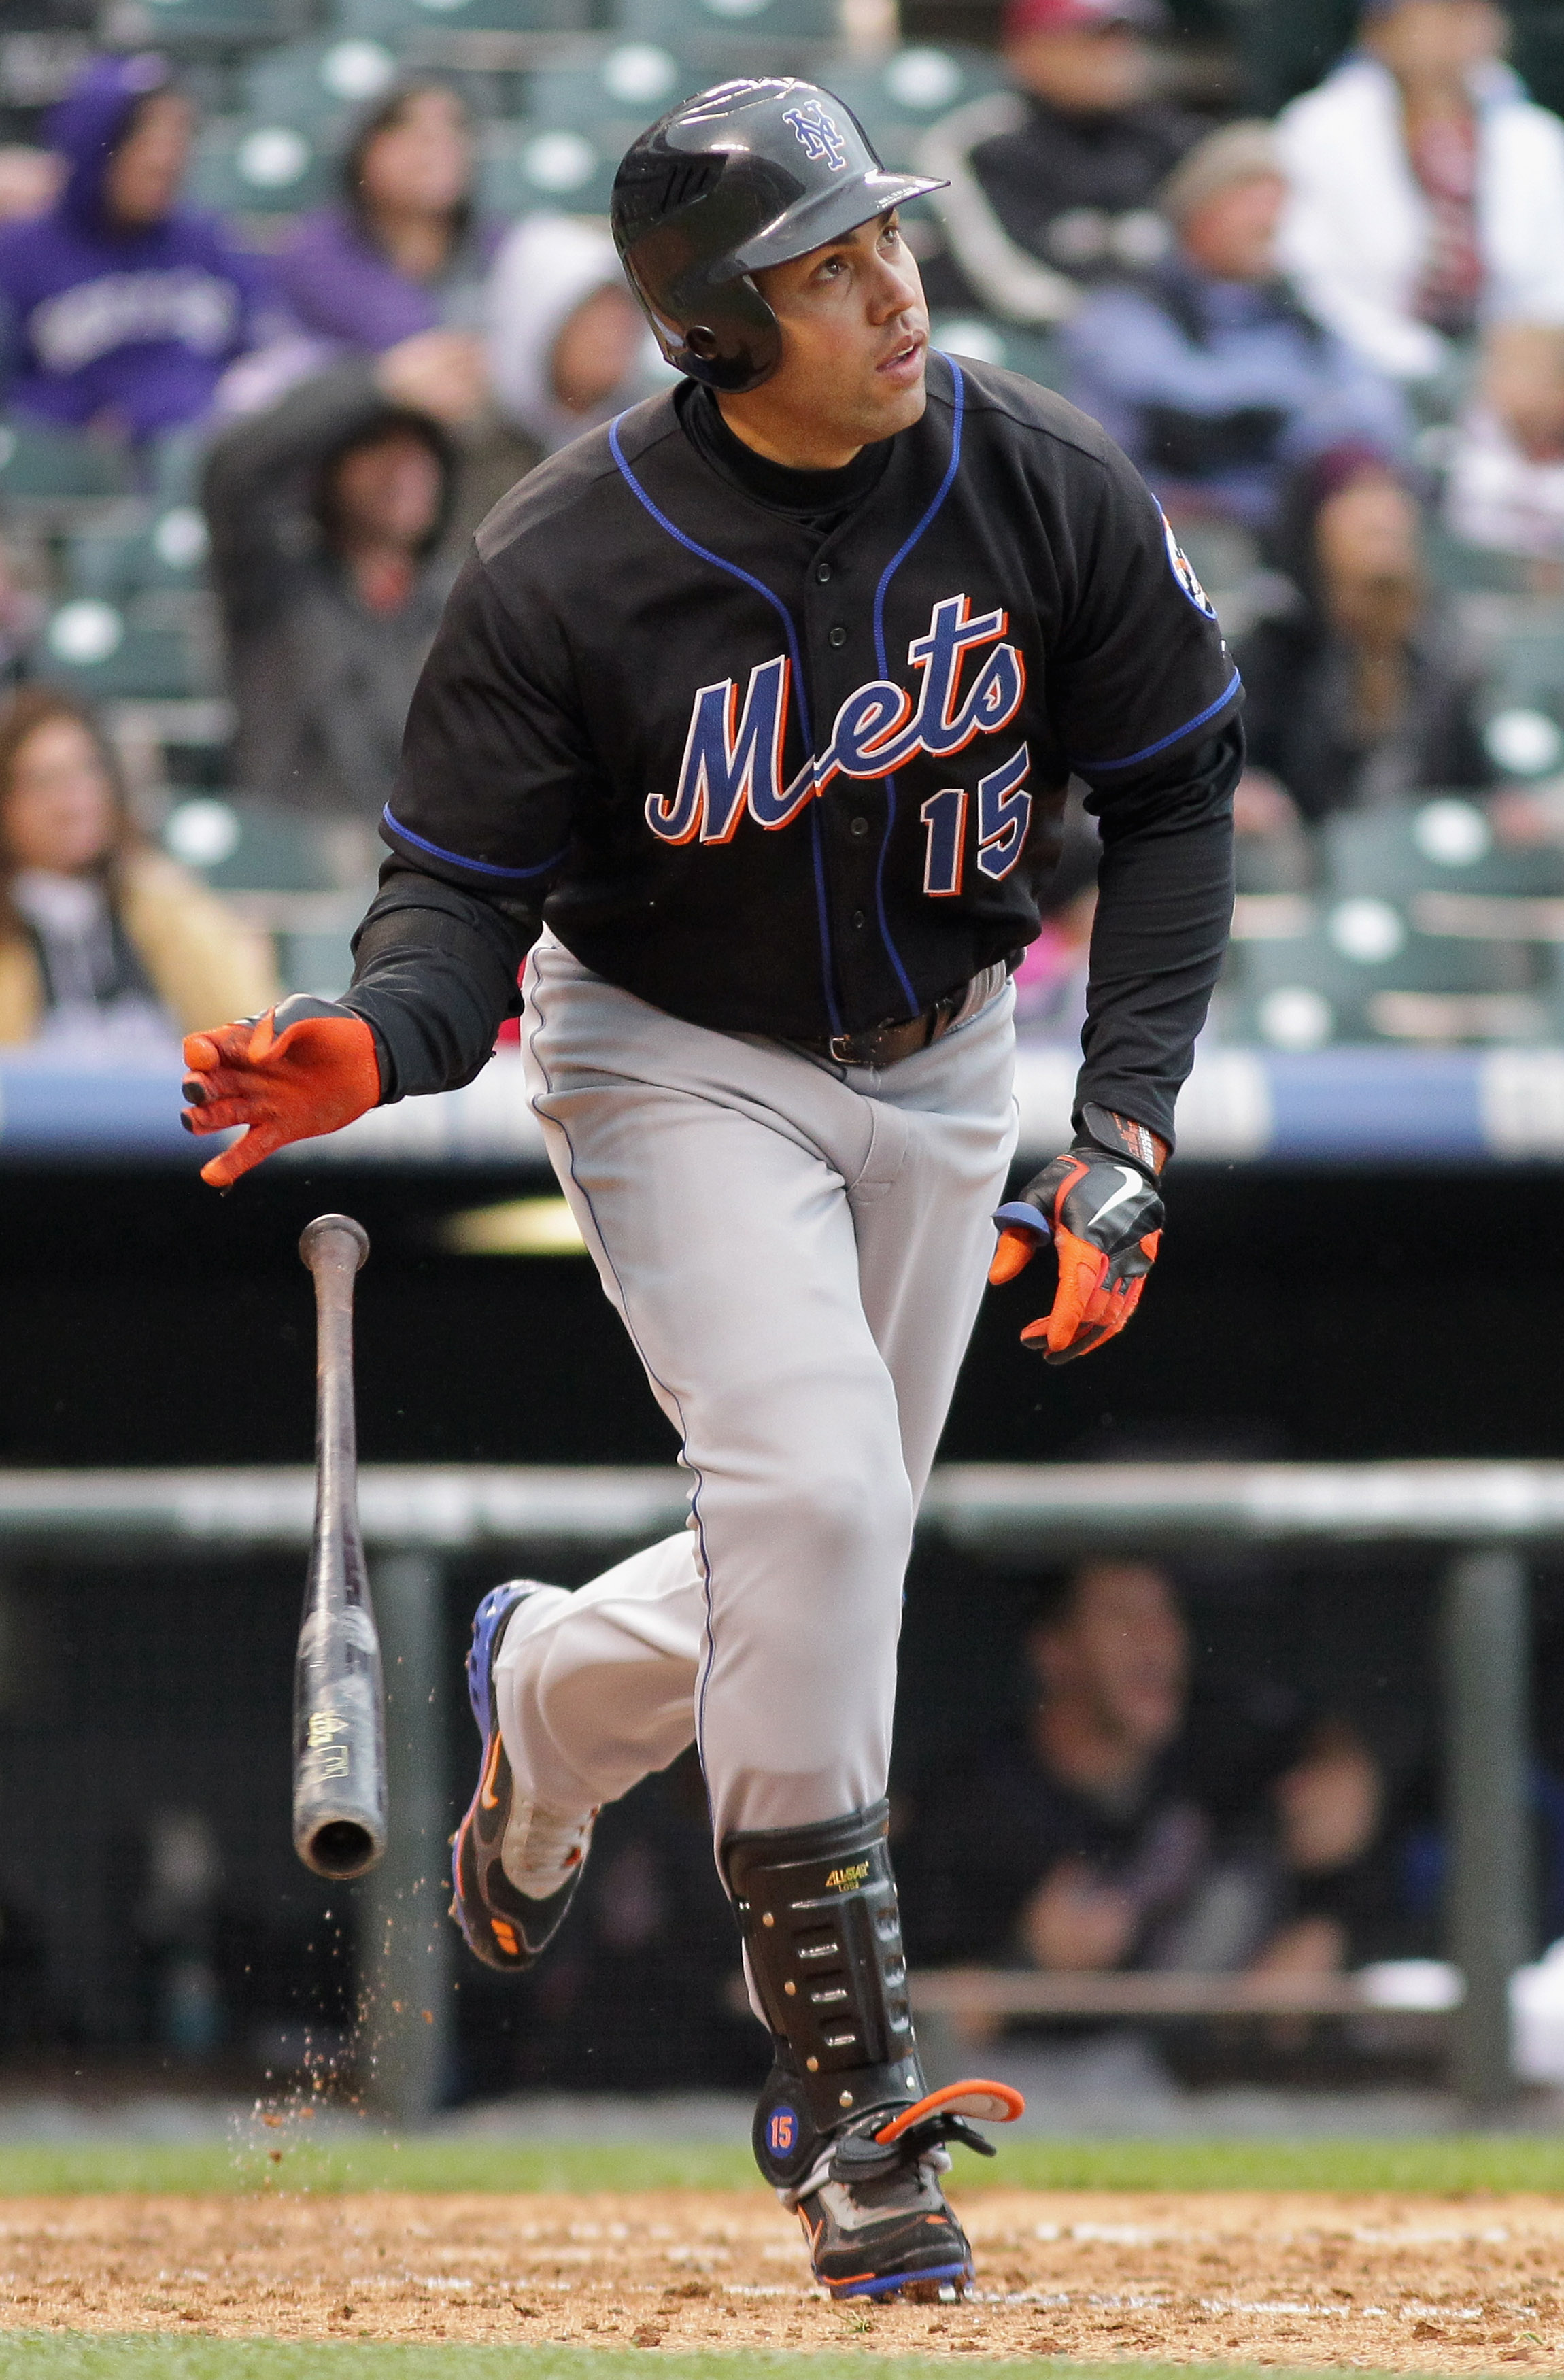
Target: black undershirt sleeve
(434, 978)
(1164, 913)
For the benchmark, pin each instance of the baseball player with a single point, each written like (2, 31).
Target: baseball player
(748, 727)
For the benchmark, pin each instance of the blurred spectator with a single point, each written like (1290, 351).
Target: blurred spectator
(1212, 377)
(106, 948)
(568, 347)
(1359, 691)
(119, 310)
(22, 614)
(1053, 186)
(402, 251)
(1079, 1846)
(327, 514)
(1427, 189)
(1506, 484)
(30, 181)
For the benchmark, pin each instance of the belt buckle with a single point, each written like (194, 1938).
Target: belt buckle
(844, 1050)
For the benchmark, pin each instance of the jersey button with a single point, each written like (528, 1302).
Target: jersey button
(859, 920)
(837, 638)
(823, 574)
(859, 826)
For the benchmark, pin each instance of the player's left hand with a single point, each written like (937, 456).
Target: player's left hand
(1105, 1219)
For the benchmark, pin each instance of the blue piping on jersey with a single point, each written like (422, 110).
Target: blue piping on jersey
(480, 866)
(1101, 767)
(887, 575)
(703, 553)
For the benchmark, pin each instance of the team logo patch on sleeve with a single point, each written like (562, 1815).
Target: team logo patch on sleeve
(1182, 569)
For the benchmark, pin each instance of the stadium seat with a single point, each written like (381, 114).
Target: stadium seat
(240, 845)
(394, 20)
(167, 550)
(229, 24)
(309, 84)
(39, 464)
(525, 166)
(150, 647)
(1362, 972)
(1441, 845)
(896, 99)
(246, 166)
(282, 872)
(982, 340)
(676, 20)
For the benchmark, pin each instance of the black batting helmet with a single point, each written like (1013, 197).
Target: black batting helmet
(747, 174)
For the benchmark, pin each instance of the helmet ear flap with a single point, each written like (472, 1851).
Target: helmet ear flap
(735, 348)
(738, 343)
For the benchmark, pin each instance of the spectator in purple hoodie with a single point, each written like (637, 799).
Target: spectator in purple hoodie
(120, 310)
(401, 252)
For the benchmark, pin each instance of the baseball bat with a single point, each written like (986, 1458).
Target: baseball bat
(338, 1700)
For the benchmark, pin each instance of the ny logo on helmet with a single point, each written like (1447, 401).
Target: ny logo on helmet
(819, 135)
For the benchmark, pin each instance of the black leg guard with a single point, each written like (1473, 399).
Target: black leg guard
(816, 1907)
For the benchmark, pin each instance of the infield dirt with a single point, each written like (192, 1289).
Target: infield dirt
(1386, 2283)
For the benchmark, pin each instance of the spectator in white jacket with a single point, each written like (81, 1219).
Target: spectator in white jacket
(1427, 188)
(567, 343)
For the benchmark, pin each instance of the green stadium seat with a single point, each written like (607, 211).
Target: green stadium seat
(896, 99)
(1443, 844)
(240, 845)
(281, 870)
(309, 84)
(167, 550)
(982, 340)
(526, 166)
(394, 20)
(39, 464)
(228, 24)
(1363, 973)
(677, 21)
(141, 650)
(246, 166)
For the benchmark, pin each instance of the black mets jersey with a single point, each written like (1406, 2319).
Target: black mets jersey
(794, 785)
(791, 762)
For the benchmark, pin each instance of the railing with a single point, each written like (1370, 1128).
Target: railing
(1484, 1515)
(1358, 1106)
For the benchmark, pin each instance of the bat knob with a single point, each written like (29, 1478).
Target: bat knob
(317, 1239)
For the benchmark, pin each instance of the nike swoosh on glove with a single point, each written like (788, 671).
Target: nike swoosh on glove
(1105, 1219)
(306, 1067)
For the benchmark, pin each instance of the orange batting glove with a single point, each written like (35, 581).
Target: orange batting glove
(306, 1067)
(1104, 1218)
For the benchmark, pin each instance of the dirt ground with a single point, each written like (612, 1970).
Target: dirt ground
(1395, 2283)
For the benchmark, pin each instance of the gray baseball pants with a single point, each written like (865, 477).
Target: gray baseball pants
(797, 1251)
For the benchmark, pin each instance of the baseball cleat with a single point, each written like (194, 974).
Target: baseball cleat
(515, 1863)
(887, 2238)
(872, 2207)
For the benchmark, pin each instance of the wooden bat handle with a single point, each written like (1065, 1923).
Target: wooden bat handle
(334, 1246)
(339, 1803)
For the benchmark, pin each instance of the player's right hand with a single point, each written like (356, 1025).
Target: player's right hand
(1105, 1219)
(308, 1066)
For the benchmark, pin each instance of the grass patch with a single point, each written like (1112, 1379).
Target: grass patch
(54, 2355)
(1438, 2164)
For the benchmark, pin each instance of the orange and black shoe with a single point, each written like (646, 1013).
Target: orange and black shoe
(515, 1863)
(892, 2235)
(872, 2207)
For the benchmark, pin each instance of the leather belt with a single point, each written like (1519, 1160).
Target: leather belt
(887, 1045)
